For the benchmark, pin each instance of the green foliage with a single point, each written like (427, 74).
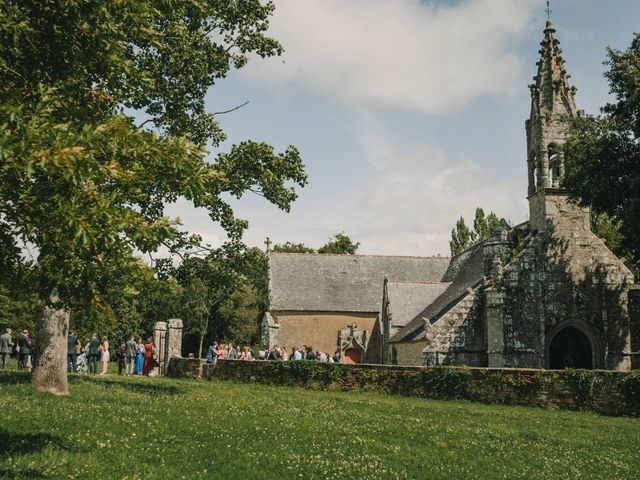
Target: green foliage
(461, 237)
(630, 389)
(581, 383)
(238, 317)
(340, 244)
(483, 227)
(609, 229)
(322, 434)
(18, 309)
(445, 383)
(290, 247)
(84, 184)
(602, 153)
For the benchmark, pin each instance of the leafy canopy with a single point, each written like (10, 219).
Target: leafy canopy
(340, 244)
(602, 155)
(290, 247)
(84, 184)
(483, 227)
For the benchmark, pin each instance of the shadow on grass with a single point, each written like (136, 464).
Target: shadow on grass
(14, 443)
(14, 377)
(142, 386)
(30, 473)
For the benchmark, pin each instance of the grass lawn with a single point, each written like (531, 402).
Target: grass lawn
(114, 428)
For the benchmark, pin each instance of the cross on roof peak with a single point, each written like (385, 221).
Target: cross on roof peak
(548, 10)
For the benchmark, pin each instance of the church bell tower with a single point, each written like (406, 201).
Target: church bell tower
(553, 105)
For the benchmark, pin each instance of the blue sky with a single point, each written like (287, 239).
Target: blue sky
(407, 113)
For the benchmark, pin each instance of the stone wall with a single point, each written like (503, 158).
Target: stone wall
(562, 276)
(634, 321)
(408, 353)
(612, 393)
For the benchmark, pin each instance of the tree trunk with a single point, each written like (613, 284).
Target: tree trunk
(50, 371)
(200, 347)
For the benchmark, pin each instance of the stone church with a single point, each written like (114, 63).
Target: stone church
(546, 293)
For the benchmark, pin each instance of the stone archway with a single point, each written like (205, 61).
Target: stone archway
(570, 348)
(352, 355)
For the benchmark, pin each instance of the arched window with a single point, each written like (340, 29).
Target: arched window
(553, 152)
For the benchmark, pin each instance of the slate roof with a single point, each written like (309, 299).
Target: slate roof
(408, 299)
(465, 271)
(342, 283)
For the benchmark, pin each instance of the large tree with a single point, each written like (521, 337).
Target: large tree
(340, 244)
(602, 154)
(462, 237)
(290, 247)
(83, 182)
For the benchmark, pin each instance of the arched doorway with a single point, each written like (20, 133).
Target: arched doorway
(352, 355)
(570, 348)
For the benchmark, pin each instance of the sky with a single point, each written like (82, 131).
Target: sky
(407, 113)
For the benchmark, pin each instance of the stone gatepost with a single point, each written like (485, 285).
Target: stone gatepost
(634, 324)
(174, 339)
(160, 340)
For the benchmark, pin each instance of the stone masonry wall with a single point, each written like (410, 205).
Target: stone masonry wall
(598, 391)
(408, 353)
(564, 276)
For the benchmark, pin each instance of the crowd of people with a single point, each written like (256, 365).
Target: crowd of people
(23, 348)
(228, 351)
(134, 356)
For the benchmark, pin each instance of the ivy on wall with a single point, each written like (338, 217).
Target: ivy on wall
(595, 390)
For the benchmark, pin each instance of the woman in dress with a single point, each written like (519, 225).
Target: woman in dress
(139, 357)
(105, 355)
(245, 355)
(221, 351)
(149, 350)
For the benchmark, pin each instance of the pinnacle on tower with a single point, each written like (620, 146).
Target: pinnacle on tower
(552, 104)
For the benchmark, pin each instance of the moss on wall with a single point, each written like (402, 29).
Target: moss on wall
(607, 392)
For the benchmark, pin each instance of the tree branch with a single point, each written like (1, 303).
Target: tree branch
(232, 110)
(145, 122)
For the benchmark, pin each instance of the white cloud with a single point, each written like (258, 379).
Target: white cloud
(399, 53)
(412, 210)
(409, 207)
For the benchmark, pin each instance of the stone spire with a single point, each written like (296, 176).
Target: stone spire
(552, 102)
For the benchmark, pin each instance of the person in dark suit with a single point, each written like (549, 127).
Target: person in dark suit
(310, 354)
(6, 344)
(121, 355)
(93, 353)
(24, 352)
(130, 355)
(72, 356)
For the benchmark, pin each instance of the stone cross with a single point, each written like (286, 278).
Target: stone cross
(352, 326)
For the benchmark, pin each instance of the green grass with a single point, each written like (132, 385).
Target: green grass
(112, 427)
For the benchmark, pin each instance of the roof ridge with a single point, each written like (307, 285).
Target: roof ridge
(390, 280)
(351, 255)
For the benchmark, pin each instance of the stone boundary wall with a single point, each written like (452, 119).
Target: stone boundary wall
(601, 391)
